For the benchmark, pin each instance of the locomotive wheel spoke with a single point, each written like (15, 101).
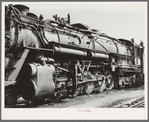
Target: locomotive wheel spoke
(101, 84)
(10, 98)
(89, 87)
(78, 90)
(109, 81)
(138, 79)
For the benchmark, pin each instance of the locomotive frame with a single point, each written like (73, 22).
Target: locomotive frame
(83, 67)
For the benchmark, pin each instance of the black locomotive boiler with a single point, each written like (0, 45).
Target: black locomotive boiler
(55, 59)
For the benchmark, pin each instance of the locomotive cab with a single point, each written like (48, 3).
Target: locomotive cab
(137, 55)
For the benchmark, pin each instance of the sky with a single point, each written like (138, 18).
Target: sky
(117, 19)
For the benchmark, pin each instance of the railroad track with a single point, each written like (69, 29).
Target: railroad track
(135, 103)
(139, 103)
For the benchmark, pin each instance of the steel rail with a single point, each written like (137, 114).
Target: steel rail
(137, 104)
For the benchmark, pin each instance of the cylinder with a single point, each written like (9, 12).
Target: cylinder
(27, 89)
(32, 69)
(39, 85)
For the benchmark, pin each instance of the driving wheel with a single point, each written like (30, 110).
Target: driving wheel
(101, 83)
(109, 81)
(10, 98)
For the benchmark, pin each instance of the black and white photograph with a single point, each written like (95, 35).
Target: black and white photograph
(74, 60)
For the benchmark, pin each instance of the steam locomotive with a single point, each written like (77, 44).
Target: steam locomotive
(55, 59)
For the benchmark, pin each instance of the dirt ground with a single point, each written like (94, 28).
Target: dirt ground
(106, 99)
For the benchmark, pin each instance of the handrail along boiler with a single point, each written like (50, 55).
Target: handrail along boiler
(56, 59)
